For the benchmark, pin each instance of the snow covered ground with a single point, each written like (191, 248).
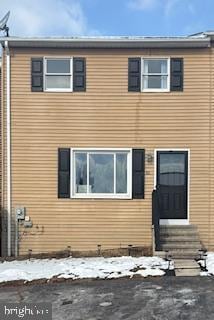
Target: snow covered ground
(209, 263)
(82, 268)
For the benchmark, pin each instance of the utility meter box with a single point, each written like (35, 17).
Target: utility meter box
(20, 213)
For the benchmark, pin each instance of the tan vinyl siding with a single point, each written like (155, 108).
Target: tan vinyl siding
(106, 116)
(211, 217)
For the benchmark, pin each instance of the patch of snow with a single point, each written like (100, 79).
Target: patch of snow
(82, 268)
(105, 304)
(185, 291)
(204, 274)
(189, 302)
(150, 272)
(209, 264)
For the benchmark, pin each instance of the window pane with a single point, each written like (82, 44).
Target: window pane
(81, 172)
(155, 66)
(155, 82)
(58, 66)
(121, 173)
(101, 173)
(172, 169)
(58, 82)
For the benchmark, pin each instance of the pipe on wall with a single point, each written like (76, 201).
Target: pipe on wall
(8, 117)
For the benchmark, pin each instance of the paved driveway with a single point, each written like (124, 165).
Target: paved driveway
(166, 298)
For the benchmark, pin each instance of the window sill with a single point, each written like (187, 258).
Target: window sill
(155, 90)
(102, 196)
(58, 90)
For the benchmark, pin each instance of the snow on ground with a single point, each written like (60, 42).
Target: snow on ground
(82, 268)
(209, 263)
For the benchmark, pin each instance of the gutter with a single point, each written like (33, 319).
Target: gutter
(8, 129)
(111, 42)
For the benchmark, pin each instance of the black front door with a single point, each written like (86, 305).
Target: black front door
(172, 179)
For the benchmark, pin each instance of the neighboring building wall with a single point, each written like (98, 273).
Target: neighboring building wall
(211, 220)
(0, 157)
(106, 115)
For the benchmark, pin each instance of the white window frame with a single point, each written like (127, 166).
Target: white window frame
(149, 74)
(127, 195)
(58, 74)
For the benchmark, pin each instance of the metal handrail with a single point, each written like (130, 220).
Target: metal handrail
(156, 208)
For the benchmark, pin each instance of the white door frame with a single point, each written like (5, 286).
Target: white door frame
(174, 221)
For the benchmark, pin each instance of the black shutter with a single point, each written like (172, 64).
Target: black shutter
(37, 74)
(176, 74)
(79, 74)
(138, 168)
(63, 173)
(134, 76)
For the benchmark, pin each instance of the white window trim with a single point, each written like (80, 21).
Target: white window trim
(168, 74)
(58, 74)
(128, 195)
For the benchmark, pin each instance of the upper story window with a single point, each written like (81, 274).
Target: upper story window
(58, 74)
(155, 74)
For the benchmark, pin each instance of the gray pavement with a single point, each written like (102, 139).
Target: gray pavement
(166, 298)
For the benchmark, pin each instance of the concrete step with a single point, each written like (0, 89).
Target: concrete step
(179, 239)
(187, 272)
(178, 230)
(183, 254)
(178, 226)
(185, 267)
(179, 235)
(186, 264)
(167, 229)
(181, 246)
(178, 254)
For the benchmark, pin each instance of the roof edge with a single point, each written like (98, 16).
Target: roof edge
(109, 42)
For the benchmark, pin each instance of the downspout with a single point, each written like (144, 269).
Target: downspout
(8, 129)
